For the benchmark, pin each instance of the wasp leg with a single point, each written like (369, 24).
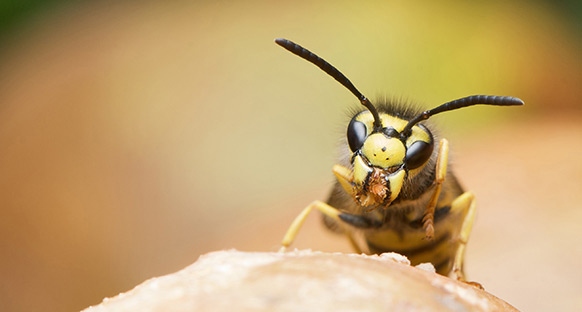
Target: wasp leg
(353, 242)
(441, 172)
(300, 219)
(464, 204)
(345, 177)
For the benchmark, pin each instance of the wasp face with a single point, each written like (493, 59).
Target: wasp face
(384, 156)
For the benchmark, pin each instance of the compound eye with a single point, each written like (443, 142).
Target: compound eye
(356, 134)
(418, 153)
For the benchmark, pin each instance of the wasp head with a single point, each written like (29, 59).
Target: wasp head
(384, 153)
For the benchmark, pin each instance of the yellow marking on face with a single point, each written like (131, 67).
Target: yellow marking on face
(387, 121)
(394, 122)
(396, 181)
(398, 124)
(418, 134)
(361, 170)
(382, 151)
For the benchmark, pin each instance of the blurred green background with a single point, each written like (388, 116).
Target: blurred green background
(137, 135)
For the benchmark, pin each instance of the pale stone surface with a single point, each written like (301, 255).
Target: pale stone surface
(302, 280)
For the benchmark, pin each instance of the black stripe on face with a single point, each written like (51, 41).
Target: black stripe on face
(409, 252)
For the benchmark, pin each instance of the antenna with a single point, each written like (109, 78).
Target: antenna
(463, 102)
(332, 71)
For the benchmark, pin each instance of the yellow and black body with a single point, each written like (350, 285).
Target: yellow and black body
(397, 222)
(394, 188)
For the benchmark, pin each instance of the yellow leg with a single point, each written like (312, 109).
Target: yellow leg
(441, 172)
(345, 177)
(300, 219)
(353, 242)
(464, 204)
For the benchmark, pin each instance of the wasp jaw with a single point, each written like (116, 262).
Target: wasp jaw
(376, 190)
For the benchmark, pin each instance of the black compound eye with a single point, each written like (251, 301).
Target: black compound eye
(356, 134)
(418, 153)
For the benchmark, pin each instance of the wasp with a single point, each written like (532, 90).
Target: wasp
(394, 188)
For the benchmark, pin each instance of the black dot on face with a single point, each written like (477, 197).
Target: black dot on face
(387, 158)
(374, 154)
(384, 149)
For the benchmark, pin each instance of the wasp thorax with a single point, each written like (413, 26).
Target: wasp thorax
(383, 151)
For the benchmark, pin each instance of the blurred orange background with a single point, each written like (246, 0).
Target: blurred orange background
(137, 135)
